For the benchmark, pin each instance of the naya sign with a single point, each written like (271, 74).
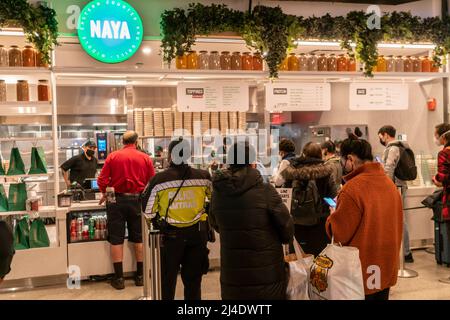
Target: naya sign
(110, 31)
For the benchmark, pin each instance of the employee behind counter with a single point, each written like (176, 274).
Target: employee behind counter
(82, 166)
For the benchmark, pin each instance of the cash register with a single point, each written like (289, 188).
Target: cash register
(90, 187)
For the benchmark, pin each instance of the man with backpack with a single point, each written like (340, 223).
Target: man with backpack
(399, 165)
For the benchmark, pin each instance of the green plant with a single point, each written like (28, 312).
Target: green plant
(38, 22)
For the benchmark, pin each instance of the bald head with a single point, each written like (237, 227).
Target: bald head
(130, 137)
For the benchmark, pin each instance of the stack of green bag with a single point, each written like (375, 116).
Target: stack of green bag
(16, 201)
(17, 166)
(34, 236)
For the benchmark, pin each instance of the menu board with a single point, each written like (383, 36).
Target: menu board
(298, 97)
(286, 196)
(214, 97)
(379, 96)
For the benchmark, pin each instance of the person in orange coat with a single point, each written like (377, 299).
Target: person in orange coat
(369, 217)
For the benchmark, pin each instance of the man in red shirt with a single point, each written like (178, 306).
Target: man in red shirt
(128, 171)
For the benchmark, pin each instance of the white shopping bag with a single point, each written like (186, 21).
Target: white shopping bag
(336, 274)
(297, 288)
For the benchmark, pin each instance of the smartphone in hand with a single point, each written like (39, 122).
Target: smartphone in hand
(330, 202)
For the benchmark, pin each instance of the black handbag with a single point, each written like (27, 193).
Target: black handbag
(433, 199)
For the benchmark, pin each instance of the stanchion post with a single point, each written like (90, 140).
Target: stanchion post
(402, 272)
(155, 265)
(146, 258)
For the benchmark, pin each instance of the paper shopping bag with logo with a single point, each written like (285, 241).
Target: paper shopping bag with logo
(21, 235)
(16, 165)
(17, 197)
(38, 163)
(38, 234)
(299, 265)
(336, 274)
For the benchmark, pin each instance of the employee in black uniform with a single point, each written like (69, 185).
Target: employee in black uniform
(82, 166)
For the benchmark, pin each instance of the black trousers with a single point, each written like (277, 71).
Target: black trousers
(312, 239)
(184, 248)
(380, 296)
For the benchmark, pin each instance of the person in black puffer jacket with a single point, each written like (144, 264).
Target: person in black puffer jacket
(310, 231)
(6, 249)
(253, 223)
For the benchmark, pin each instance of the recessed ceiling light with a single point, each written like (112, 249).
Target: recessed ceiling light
(147, 50)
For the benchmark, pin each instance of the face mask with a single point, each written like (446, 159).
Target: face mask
(90, 153)
(382, 142)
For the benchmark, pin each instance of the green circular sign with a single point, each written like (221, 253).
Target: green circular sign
(110, 31)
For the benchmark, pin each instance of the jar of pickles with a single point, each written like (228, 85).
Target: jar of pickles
(2, 91)
(4, 61)
(181, 61)
(28, 57)
(303, 62)
(381, 64)
(247, 61)
(332, 63)
(399, 67)
(236, 61)
(284, 66)
(390, 64)
(192, 60)
(322, 64)
(203, 60)
(407, 64)
(312, 62)
(23, 91)
(416, 64)
(426, 64)
(342, 63)
(43, 91)
(257, 62)
(15, 57)
(214, 60)
(351, 66)
(293, 62)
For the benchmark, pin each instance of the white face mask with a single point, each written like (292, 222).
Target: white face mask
(437, 142)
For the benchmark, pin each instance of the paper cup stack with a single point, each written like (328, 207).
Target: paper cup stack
(158, 122)
(215, 120)
(242, 123)
(139, 121)
(168, 122)
(205, 122)
(148, 122)
(223, 122)
(187, 121)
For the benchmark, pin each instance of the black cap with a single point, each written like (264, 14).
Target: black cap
(89, 143)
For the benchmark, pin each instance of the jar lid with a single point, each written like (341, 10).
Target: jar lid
(1, 80)
(14, 46)
(236, 52)
(302, 54)
(191, 51)
(425, 57)
(225, 52)
(43, 80)
(22, 81)
(28, 47)
(203, 51)
(332, 55)
(214, 52)
(322, 54)
(246, 53)
(292, 54)
(399, 56)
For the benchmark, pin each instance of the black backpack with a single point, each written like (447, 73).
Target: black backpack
(306, 205)
(406, 169)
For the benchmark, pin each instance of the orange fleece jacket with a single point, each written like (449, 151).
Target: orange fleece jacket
(369, 216)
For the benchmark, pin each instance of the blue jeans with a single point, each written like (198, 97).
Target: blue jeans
(406, 247)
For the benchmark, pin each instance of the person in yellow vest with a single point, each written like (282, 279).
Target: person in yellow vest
(176, 199)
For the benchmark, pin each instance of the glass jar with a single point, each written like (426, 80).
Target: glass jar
(390, 64)
(2, 91)
(203, 60)
(417, 64)
(23, 91)
(15, 57)
(43, 91)
(434, 67)
(181, 61)
(322, 64)
(293, 62)
(247, 61)
(426, 64)
(236, 61)
(257, 62)
(214, 60)
(312, 62)
(225, 60)
(342, 63)
(381, 64)
(4, 61)
(29, 56)
(303, 62)
(332, 63)
(351, 66)
(40, 60)
(407, 64)
(399, 67)
(284, 66)
(192, 60)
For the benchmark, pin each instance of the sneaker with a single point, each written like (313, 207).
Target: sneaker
(118, 283)
(409, 258)
(139, 280)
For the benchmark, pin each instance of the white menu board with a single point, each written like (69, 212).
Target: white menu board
(212, 96)
(298, 97)
(286, 196)
(379, 96)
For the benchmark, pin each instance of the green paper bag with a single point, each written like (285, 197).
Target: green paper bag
(17, 197)
(16, 165)
(38, 163)
(3, 199)
(2, 170)
(38, 234)
(22, 235)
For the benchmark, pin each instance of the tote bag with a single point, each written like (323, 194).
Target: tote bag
(336, 274)
(16, 165)
(3, 199)
(17, 197)
(22, 235)
(38, 234)
(298, 275)
(38, 162)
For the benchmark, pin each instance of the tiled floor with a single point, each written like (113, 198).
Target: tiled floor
(426, 286)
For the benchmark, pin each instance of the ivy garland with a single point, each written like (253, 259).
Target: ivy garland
(38, 22)
(270, 31)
